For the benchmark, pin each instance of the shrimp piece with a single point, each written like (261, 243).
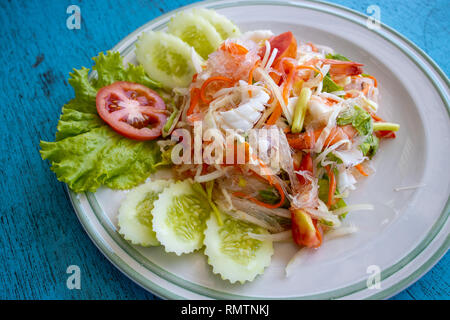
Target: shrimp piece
(306, 140)
(343, 68)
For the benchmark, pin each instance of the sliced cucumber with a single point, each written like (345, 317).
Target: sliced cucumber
(195, 31)
(135, 218)
(166, 58)
(232, 253)
(179, 218)
(223, 25)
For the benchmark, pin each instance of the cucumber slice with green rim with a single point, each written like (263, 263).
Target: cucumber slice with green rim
(222, 24)
(135, 218)
(179, 218)
(232, 253)
(195, 31)
(166, 58)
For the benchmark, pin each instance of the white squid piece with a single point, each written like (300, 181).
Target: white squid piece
(245, 116)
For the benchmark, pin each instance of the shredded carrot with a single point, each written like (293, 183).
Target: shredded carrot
(195, 117)
(270, 94)
(318, 233)
(195, 94)
(208, 81)
(271, 181)
(263, 204)
(366, 89)
(375, 117)
(250, 75)
(361, 170)
(234, 48)
(332, 188)
(313, 47)
(306, 140)
(348, 95)
(287, 87)
(375, 82)
(276, 114)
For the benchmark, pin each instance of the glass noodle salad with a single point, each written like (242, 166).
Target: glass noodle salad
(226, 141)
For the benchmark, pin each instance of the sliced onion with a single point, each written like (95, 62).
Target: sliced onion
(295, 261)
(276, 91)
(271, 59)
(210, 176)
(275, 237)
(420, 185)
(341, 232)
(266, 54)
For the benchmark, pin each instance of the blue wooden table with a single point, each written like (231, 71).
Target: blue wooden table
(40, 235)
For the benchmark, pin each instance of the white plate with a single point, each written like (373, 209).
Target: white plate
(405, 235)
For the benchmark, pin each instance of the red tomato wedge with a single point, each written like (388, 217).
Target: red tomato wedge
(286, 45)
(305, 165)
(304, 229)
(385, 134)
(132, 110)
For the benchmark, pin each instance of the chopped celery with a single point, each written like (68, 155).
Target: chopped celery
(300, 110)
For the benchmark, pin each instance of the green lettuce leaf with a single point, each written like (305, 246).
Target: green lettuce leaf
(370, 146)
(330, 86)
(87, 153)
(324, 186)
(361, 120)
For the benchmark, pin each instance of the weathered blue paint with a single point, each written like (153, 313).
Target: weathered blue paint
(40, 235)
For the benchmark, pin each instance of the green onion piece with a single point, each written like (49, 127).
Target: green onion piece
(300, 110)
(385, 126)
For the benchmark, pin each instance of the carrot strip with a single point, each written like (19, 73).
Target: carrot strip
(375, 117)
(234, 48)
(271, 182)
(250, 75)
(208, 81)
(263, 204)
(375, 82)
(195, 94)
(270, 94)
(276, 114)
(318, 233)
(332, 188)
(287, 87)
(361, 170)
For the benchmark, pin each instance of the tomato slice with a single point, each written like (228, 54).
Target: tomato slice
(385, 134)
(132, 110)
(286, 44)
(305, 165)
(304, 229)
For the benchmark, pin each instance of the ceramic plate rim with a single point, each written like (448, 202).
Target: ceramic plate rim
(387, 292)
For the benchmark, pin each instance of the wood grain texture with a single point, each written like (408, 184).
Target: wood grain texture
(40, 235)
